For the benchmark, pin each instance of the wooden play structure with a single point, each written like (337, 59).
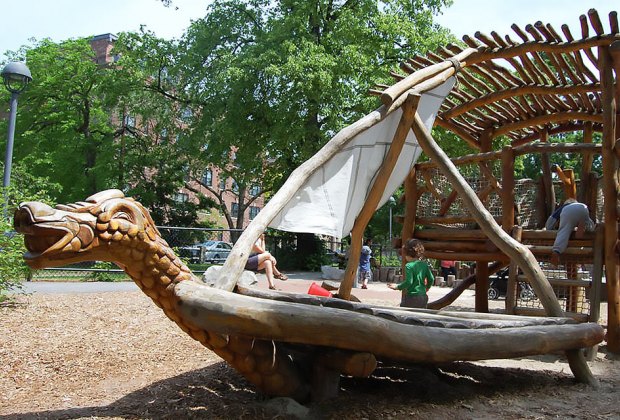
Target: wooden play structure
(524, 91)
(298, 345)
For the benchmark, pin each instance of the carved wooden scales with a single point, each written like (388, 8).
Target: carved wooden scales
(295, 345)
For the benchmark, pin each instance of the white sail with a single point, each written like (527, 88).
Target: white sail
(332, 197)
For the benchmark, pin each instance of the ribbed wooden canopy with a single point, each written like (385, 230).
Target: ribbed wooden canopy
(518, 86)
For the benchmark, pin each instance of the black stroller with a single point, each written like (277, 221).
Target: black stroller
(498, 285)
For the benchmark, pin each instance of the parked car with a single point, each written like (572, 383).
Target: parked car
(206, 252)
(214, 251)
(190, 253)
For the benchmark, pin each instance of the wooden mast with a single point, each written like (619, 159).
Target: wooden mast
(376, 192)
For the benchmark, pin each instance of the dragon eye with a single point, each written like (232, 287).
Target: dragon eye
(123, 215)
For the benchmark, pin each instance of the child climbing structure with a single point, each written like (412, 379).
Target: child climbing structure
(299, 345)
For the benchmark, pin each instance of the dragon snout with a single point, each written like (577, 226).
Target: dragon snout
(28, 213)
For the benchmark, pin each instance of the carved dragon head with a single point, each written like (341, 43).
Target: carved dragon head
(107, 227)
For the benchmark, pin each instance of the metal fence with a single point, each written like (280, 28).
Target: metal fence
(293, 251)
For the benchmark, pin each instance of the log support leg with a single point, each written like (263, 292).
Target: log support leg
(482, 286)
(325, 383)
(330, 364)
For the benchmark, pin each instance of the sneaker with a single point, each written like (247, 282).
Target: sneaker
(555, 259)
(364, 286)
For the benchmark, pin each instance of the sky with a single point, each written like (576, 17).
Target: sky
(465, 17)
(64, 19)
(60, 20)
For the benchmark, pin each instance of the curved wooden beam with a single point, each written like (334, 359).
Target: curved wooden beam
(563, 128)
(516, 50)
(519, 91)
(520, 150)
(545, 119)
(451, 296)
(449, 125)
(396, 90)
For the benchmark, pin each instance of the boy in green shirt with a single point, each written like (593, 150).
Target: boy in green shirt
(418, 276)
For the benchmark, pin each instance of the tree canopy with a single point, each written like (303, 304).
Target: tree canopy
(253, 88)
(265, 84)
(89, 126)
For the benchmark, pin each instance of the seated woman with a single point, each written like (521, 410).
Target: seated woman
(261, 259)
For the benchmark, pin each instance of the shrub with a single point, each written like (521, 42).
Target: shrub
(13, 270)
(106, 275)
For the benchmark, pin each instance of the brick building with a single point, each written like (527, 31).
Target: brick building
(212, 176)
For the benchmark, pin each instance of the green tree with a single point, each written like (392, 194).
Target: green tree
(90, 126)
(268, 83)
(24, 187)
(64, 123)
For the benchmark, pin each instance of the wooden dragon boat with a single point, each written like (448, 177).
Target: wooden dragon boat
(285, 344)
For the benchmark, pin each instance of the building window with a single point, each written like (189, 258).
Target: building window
(207, 178)
(130, 121)
(254, 190)
(253, 212)
(234, 209)
(186, 114)
(235, 187)
(223, 183)
(180, 197)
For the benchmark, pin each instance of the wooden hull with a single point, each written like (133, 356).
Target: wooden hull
(387, 333)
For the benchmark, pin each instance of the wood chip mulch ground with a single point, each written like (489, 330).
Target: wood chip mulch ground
(115, 355)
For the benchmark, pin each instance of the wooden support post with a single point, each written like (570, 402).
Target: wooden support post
(325, 383)
(372, 200)
(575, 297)
(595, 290)
(567, 176)
(516, 251)
(513, 285)
(482, 286)
(588, 155)
(585, 193)
(590, 194)
(547, 180)
(597, 273)
(508, 188)
(610, 192)
(411, 205)
(541, 203)
(586, 167)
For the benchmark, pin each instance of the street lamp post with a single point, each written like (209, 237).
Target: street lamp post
(391, 204)
(16, 77)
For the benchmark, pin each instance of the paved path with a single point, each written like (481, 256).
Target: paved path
(78, 287)
(298, 282)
